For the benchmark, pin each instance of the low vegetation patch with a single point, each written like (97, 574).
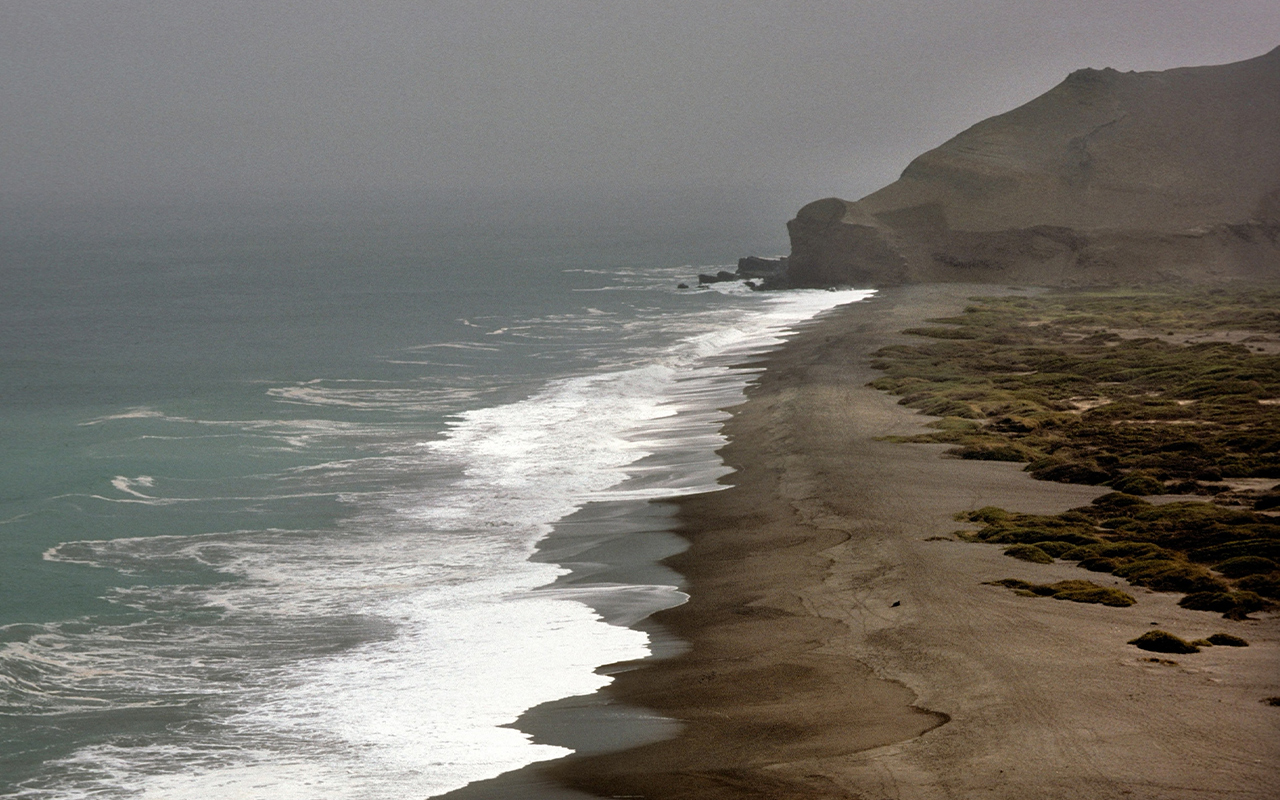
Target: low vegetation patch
(1148, 393)
(1163, 642)
(1230, 604)
(1227, 640)
(1213, 554)
(1029, 552)
(1075, 591)
(1244, 566)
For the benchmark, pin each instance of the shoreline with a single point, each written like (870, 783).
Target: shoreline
(843, 645)
(614, 551)
(604, 545)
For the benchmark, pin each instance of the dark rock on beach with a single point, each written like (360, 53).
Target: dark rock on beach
(720, 277)
(756, 267)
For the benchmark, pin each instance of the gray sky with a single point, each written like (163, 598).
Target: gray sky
(113, 99)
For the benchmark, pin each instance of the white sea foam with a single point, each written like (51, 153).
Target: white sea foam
(139, 412)
(401, 400)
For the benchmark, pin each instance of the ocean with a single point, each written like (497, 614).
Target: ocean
(316, 500)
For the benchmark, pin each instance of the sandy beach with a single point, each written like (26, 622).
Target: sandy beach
(843, 643)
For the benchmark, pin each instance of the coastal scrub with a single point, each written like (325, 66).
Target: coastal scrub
(1075, 591)
(1145, 392)
(1163, 642)
(1174, 547)
(1149, 393)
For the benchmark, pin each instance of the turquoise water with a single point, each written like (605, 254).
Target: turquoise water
(180, 318)
(270, 480)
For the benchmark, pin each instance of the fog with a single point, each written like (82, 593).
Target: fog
(169, 102)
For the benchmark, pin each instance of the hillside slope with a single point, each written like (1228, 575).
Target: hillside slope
(1108, 177)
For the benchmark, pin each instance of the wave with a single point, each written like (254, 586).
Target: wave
(137, 412)
(399, 400)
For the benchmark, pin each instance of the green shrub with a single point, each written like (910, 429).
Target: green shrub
(1030, 536)
(1024, 588)
(1232, 604)
(1010, 533)
(1055, 548)
(1265, 585)
(945, 407)
(1075, 472)
(1241, 566)
(1014, 424)
(1208, 601)
(1116, 523)
(1158, 641)
(955, 424)
(1097, 563)
(1012, 583)
(1138, 483)
(988, 515)
(1133, 550)
(1167, 575)
(1075, 591)
(986, 452)
(1029, 552)
(1120, 500)
(1262, 548)
(1088, 592)
(1081, 552)
(1227, 640)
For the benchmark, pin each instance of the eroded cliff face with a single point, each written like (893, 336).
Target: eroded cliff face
(1107, 178)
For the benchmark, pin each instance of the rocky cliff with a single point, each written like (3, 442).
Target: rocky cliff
(1107, 178)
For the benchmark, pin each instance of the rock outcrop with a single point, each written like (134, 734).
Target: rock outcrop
(1107, 178)
(756, 267)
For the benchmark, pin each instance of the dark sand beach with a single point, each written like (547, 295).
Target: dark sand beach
(843, 643)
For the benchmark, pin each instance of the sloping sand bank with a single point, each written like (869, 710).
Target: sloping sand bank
(839, 649)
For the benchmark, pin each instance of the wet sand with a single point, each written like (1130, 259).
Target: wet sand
(842, 646)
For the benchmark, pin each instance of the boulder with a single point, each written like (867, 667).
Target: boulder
(756, 267)
(720, 277)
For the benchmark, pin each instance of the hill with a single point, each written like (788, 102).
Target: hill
(1107, 178)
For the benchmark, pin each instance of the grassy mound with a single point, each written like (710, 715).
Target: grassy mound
(1227, 640)
(1265, 585)
(1075, 591)
(1243, 566)
(1163, 642)
(1029, 552)
(1235, 605)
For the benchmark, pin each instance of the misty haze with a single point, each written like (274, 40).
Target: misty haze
(703, 399)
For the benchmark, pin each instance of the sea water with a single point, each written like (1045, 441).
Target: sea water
(276, 487)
